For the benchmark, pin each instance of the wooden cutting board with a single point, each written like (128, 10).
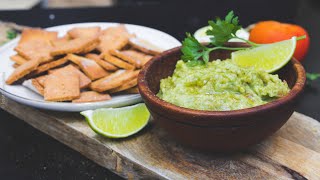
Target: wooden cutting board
(292, 153)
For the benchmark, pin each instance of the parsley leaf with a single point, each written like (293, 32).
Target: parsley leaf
(312, 76)
(192, 51)
(223, 30)
(11, 34)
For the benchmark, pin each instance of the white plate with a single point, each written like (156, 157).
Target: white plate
(25, 96)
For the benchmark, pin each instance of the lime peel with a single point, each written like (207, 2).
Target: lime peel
(267, 57)
(118, 122)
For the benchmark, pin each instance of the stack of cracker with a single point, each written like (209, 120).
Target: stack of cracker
(86, 65)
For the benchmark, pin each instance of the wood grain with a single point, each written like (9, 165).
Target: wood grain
(292, 153)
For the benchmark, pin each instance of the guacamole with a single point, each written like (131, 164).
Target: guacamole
(220, 86)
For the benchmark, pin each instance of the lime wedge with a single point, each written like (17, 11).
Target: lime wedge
(268, 57)
(118, 122)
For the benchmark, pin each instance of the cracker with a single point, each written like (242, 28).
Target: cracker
(90, 48)
(33, 85)
(41, 79)
(118, 62)
(53, 64)
(143, 58)
(125, 86)
(107, 66)
(113, 38)
(31, 34)
(35, 50)
(88, 66)
(84, 80)
(60, 41)
(18, 59)
(74, 46)
(133, 90)
(87, 32)
(114, 80)
(144, 46)
(91, 96)
(15, 65)
(62, 86)
(22, 71)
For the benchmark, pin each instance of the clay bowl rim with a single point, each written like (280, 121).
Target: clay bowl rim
(147, 93)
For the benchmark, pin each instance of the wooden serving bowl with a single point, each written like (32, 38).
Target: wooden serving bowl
(218, 131)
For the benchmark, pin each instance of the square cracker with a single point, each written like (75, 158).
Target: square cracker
(53, 64)
(91, 96)
(18, 59)
(114, 80)
(31, 34)
(78, 45)
(22, 71)
(133, 90)
(88, 66)
(118, 62)
(35, 50)
(84, 32)
(125, 86)
(62, 86)
(138, 56)
(144, 46)
(113, 38)
(107, 66)
(84, 80)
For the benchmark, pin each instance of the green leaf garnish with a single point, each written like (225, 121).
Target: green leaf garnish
(223, 30)
(194, 53)
(192, 50)
(11, 34)
(312, 76)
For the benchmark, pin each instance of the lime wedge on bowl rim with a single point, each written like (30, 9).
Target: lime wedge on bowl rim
(118, 122)
(268, 57)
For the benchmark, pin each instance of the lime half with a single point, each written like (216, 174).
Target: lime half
(118, 122)
(268, 57)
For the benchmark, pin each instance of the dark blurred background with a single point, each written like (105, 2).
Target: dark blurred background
(26, 153)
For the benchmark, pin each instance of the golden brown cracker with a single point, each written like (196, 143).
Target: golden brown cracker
(91, 96)
(53, 64)
(143, 58)
(87, 32)
(62, 86)
(128, 58)
(18, 59)
(133, 90)
(144, 46)
(77, 45)
(41, 79)
(84, 80)
(31, 34)
(88, 66)
(125, 86)
(90, 48)
(117, 62)
(15, 65)
(38, 86)
(114, 80)
(107, 66)
(22, 70)
(35, 50)
(113, 38)
(60, 41)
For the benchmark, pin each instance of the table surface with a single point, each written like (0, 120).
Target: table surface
(27, 153)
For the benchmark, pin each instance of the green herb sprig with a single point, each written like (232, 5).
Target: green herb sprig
(195, 53)
(11, 34)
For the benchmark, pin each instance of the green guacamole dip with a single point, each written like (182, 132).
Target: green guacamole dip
(220, 86)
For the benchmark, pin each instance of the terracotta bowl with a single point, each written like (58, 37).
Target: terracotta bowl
(219, 131)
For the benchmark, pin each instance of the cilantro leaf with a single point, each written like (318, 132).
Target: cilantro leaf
(223, 30)
(312, 76)
(11, 34)
(192, 51)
